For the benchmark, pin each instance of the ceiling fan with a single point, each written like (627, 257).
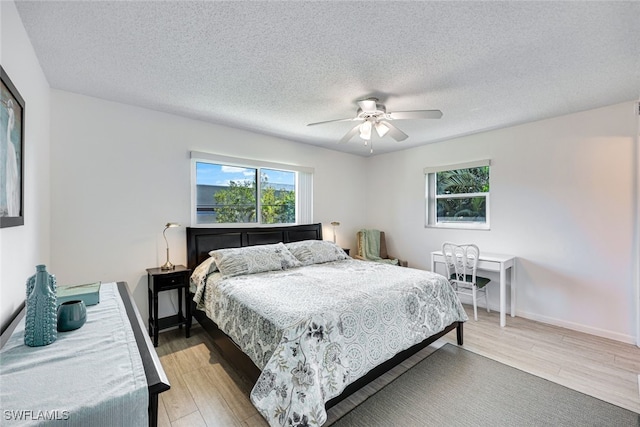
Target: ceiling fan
(373, 115)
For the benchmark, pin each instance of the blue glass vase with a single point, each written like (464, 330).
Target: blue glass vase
(41, 320)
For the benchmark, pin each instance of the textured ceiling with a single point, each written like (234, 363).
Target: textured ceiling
(273, 67)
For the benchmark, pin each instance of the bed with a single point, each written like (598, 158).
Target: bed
(267, 309)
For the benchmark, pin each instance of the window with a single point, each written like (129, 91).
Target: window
(458, 195)
(277, 196)
(237, 191)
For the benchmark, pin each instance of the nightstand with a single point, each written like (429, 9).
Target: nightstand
(164, 280)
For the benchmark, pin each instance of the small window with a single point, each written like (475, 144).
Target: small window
(232, 193)
(458, 196)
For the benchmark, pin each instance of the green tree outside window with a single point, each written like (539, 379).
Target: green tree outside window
(237, 203)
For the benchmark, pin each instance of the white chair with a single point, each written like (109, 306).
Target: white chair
(462, 262)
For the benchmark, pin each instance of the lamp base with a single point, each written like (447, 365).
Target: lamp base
(167, 266)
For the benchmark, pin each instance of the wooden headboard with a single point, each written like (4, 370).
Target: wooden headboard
(200, 241)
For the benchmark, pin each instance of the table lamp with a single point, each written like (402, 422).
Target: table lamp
(167, 265)
(334, 224)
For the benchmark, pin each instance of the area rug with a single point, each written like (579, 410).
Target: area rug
(455, 387)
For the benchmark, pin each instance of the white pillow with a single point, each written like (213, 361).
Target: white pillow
(316, 251)
(253, 259)
(202, 271)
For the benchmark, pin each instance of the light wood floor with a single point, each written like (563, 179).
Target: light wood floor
(207, 391)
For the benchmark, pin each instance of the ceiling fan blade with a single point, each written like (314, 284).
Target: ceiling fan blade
(332, 121)
(416, 114)
(368, 105)
(395, 133)
(350, 134)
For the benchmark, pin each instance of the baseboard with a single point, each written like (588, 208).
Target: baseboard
(627, 339)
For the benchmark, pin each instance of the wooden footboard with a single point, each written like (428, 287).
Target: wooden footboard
(157, 381)
(245, 366)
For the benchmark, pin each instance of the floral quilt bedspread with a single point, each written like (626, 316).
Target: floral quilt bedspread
(313, 330)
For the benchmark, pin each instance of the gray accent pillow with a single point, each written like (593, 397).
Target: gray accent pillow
(316, 251)
(253, 259)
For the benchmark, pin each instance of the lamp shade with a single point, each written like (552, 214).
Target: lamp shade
(334, 224)
(365, 130)
(382, 129)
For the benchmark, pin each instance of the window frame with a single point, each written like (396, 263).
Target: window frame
(431, 197)
(303, 189)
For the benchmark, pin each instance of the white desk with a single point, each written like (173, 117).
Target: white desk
(492, 262)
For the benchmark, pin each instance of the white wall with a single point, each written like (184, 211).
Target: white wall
(119, 173)
(23, 247)
(561, 200)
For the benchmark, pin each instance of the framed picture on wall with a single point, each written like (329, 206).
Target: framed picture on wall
(11, 153)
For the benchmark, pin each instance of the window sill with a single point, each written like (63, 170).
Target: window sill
(457, 226)
(239, 225)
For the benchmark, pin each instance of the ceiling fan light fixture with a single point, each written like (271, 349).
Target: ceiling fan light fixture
(372, 114)
(365, 130)
(381, 129)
